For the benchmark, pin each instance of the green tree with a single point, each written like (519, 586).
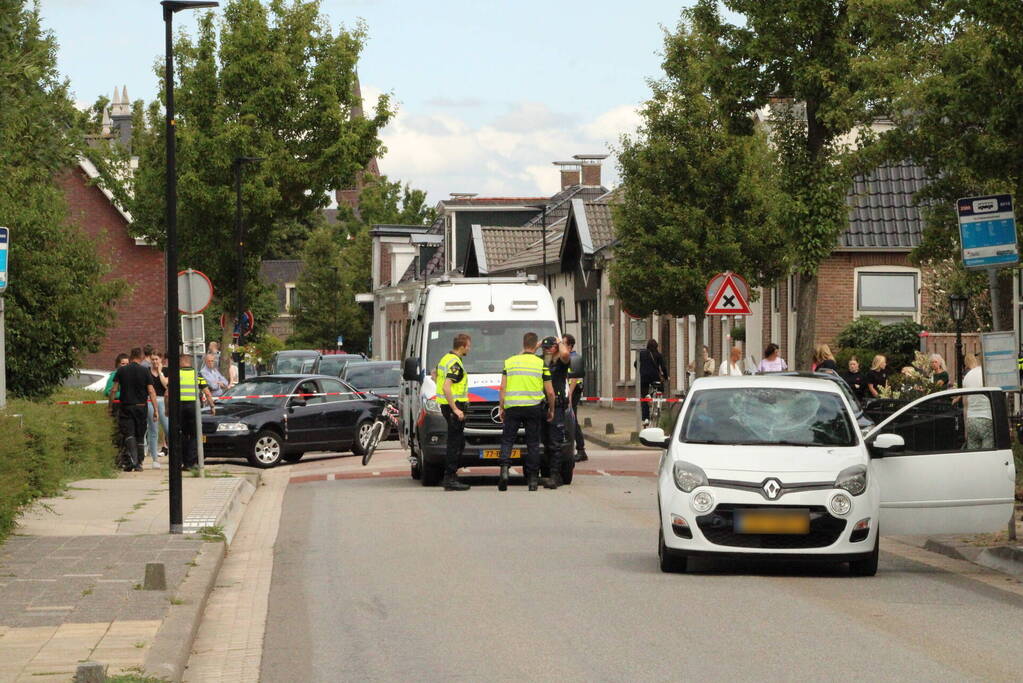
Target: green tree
(272, 81)
(59, 303)
(697, 196)
(831, 67)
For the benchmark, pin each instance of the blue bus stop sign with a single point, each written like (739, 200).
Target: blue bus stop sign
(5, 243)
(987, 229)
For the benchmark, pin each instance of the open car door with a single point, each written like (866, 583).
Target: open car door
(955, 473)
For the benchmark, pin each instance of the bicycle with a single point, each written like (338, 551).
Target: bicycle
(387, 418)
(656, 396)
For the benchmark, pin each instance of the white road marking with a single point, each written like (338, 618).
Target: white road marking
(331, 477)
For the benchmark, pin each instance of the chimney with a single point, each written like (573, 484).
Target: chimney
(590, 168)
(571, 172)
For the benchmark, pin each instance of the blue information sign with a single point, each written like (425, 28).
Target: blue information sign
(987, 228)
(5, 242)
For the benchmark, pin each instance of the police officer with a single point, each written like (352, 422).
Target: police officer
(189, 378)
(575, 391)
(454, 401)
(556, 356)
(133, 385)
(525, 382)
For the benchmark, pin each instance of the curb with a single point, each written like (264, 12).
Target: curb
(172, 647)
(1007, 559)
(603, 443)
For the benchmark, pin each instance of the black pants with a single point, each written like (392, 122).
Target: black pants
(529, 418)
(189, 441)
(555, 437)
(644, 389)
(456, 437)
(580, 443)
(131, 423)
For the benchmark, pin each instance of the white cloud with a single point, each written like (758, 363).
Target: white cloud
(510, 155)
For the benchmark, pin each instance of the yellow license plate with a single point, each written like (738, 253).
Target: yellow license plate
(759, 522)
(495, 454)
(204, 438)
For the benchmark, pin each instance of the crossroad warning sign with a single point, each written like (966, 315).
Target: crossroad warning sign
(727, 294)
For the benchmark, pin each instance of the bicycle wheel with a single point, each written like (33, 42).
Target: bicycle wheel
(375, 435)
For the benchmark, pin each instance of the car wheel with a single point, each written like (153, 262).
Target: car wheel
(362, 432)
(867, 566)
(431, 474)
(293, 457)
(414, 468)
(267, 450)
(670, 564)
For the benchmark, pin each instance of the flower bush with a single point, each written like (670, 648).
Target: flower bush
(911, 384)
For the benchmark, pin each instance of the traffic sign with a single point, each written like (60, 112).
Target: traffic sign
(999, 360)
(637, 334)
(195, 291)
(5, 241)
(193, 328)
(727, 294)
(987, 231)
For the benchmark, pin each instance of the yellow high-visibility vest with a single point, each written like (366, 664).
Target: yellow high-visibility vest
(187, 377)
(451, 366)
(525, 374)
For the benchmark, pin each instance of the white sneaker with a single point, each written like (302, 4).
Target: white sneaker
(156, 465)
(646, 423)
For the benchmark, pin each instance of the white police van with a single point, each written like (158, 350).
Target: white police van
(496, 313)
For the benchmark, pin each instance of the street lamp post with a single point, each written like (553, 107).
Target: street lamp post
(170, 7)
(957, 307)
(239, 238)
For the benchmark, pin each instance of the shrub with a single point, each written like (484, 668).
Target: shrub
(864, 355)
(43, 446)
(898, 341)
(738, 333)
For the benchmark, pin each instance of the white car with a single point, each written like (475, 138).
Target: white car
(90, 380)
(770, 466)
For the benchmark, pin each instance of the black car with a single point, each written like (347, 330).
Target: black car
(283, 426)
(863, 420)
(334, 364)
(381, 377)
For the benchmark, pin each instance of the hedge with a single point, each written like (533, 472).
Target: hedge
(43, 446)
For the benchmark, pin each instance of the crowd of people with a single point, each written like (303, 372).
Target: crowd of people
(137, 389)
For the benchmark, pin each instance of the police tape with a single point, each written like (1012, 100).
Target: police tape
(584, 399)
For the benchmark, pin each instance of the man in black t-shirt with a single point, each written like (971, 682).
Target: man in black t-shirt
(556, 355)
(135, 384)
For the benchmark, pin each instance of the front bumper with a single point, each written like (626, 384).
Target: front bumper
(831, 537)
(228, 444)
(433, 437)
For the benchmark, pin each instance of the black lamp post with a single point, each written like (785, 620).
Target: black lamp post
(173, 334)
(957, 305)
(239, 238)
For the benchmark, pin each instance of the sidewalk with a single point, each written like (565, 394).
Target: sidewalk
(622, 419)
(71, 576)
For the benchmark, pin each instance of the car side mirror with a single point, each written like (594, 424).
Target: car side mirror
(297, 403)
(887, 444)
(577, 367)
(653, 437)
(410, 370)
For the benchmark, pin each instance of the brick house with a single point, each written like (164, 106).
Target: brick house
(140, 315)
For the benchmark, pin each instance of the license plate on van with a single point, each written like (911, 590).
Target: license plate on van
(495, 453)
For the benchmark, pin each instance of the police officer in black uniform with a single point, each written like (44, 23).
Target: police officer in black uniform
(135, 384)
(556, 354)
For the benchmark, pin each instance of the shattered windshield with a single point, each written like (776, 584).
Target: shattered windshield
(767, 416)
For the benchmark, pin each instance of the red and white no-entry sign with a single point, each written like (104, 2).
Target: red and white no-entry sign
(727, 294)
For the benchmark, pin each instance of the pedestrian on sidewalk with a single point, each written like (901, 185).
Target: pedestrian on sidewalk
(703, 360)
(134, 385)
(979, 434)
(556, 357)
(939, 372)
(189, 380)
(217, 383)
(772, 360)
(876, 377)
(652, 368)
(525, 381)
(160, 381)
(575, 388)
(856, 380)
(824, 360)
(119, 361)
(733, 366)
(453, 399)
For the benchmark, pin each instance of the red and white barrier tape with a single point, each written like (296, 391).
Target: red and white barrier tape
(586, 399)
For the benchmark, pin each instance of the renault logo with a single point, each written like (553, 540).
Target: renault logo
(772, 489)
(495, 415)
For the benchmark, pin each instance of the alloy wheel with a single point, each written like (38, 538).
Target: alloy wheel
(268, 450)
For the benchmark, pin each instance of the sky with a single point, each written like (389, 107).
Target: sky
(489, 93)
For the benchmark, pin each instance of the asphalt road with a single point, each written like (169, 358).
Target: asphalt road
(380, 579)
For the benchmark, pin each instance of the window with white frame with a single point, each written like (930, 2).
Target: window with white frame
(889, 294)
(291, 303)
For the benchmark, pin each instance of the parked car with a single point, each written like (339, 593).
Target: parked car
(299, 362)
(382, 377)
(864, 421)
(774, 467)
(333, 364)
(268, 430)
(91, 380)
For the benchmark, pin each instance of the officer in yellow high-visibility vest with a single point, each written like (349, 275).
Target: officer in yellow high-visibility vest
(525, 382)
(453, 399)
(189, 379)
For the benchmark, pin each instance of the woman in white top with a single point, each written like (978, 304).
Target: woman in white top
(772, 362)
(733, 366)
(979, 432)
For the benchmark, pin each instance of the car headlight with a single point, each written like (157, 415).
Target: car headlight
(852, 479)
(232, 427)
(703, 501)
(841, 504)
(688, 476)
(430, 405)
